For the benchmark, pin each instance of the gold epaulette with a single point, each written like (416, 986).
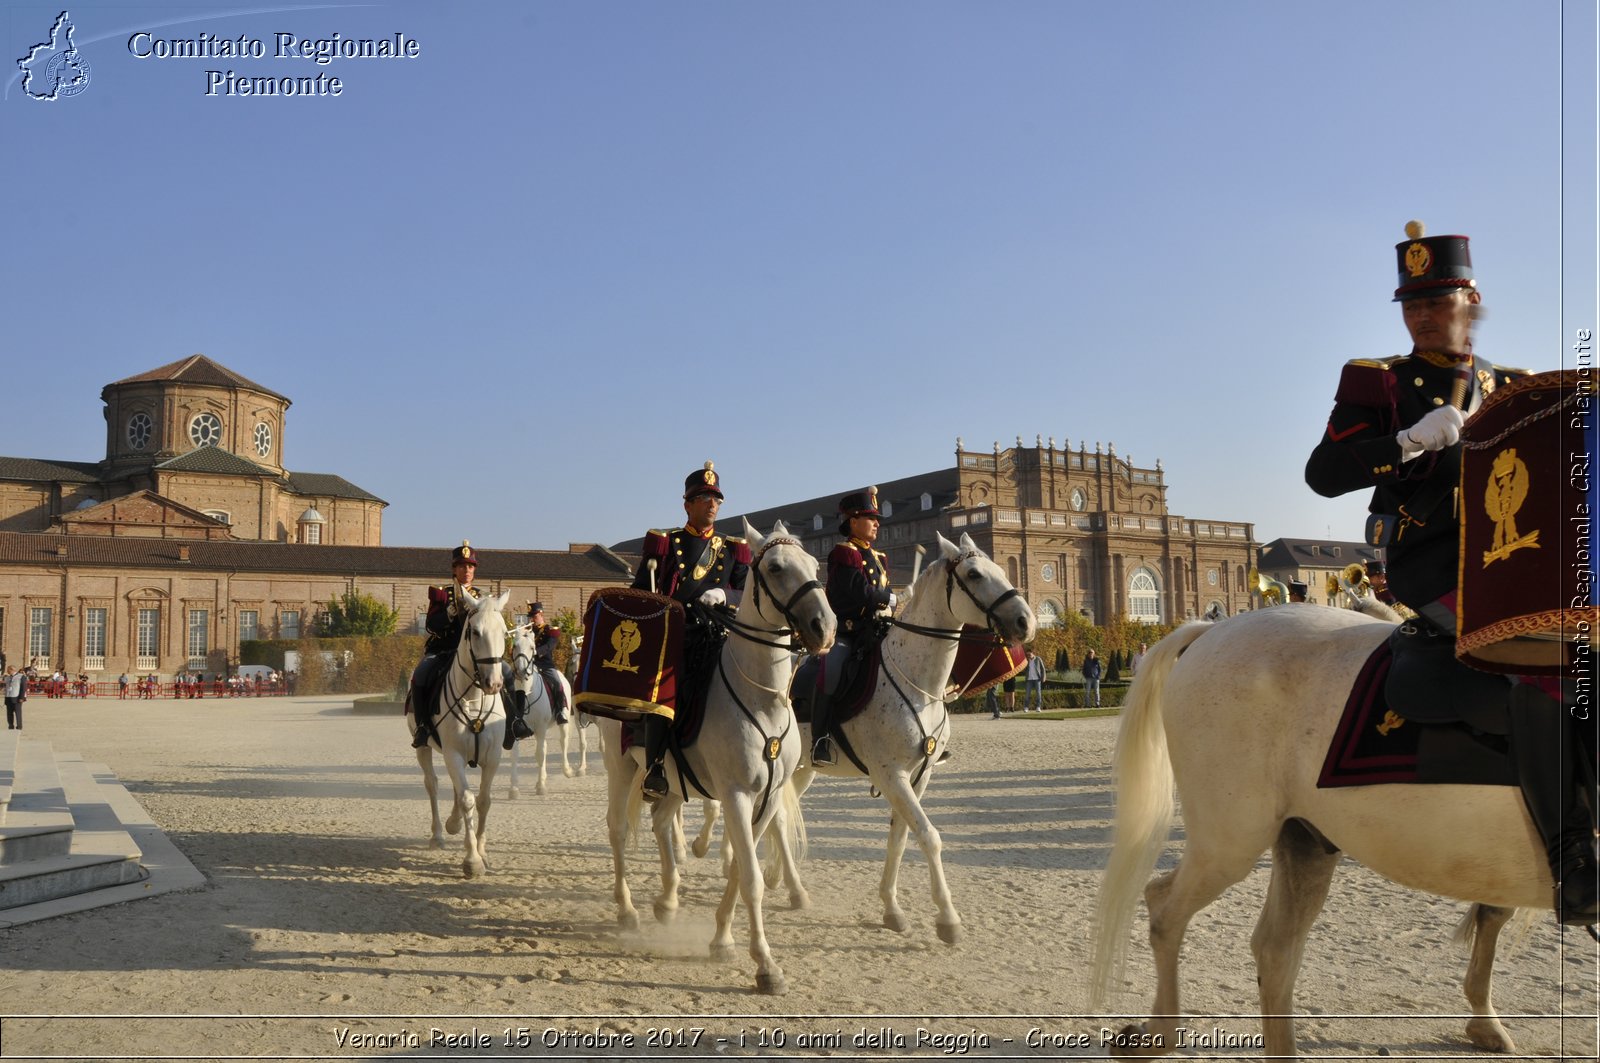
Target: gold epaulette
(1378, 363)
(664, 533)
(733, 539)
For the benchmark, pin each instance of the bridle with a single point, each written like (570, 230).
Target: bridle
(454, 700)
(950, 585)
(750, 631)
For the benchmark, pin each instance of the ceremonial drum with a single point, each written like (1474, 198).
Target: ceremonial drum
(1526, 600)
(983, 660)
(632, 648)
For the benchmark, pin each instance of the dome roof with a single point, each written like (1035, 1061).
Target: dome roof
(311, 516)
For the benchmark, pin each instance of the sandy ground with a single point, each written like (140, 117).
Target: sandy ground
(328, 929)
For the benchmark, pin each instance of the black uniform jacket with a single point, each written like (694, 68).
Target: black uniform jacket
(1376, 399)
(689, 564)
(858, 584)
(444, 632)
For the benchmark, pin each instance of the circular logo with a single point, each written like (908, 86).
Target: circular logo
(67, 73)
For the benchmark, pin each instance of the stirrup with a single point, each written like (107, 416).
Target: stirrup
(419, 740)
(822, 752)
(654, 787)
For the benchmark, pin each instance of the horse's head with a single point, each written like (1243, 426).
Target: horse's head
(976, 591)
(483, 637)
(784, 591)
(522, 651)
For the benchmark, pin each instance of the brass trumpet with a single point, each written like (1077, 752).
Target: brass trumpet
(1271, 591)
(1351, 580)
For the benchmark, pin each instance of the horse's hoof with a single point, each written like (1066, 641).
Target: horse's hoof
(628, 920)
(471, 870)
(568, 772)
(436, 842)
(771, 985)
(896, 922)
(772, 876)
(700, 848)
(514, 794)
(722, 953)
(949, 933)
(541, 790)
(1489, 1035)
(664, 912)
(583, 771)
(799, 901)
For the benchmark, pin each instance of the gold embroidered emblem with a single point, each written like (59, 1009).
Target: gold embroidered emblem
(624, 639)
(1390, 722)
(929, 744)
(1377, 532)
(1486, 381)
(1506, 491)
(1418, 259)
(710, 478)
(477, 726)
(712, 555)
(774, 747)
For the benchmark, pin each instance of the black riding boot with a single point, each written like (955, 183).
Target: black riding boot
(424, 731)
(516, 707)
(1545, 772)
(558, 696)
(822, 752)
(655, 751)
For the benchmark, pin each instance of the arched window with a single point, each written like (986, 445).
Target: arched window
(1048, 614)
(1144, 598)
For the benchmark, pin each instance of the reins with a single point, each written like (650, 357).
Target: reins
(473, 724)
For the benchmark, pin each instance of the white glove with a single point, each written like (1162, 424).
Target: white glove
(894, 600)
(714, 596)
(1438, 429)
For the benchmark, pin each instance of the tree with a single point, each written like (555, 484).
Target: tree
(357, 614)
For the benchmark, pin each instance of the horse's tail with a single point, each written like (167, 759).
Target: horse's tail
(794, 821)
(1142, 773)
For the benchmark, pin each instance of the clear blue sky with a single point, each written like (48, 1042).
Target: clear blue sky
(520, 285)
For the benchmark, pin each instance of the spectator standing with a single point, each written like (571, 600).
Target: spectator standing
(1092, 671)
(1033, 696)
(16, 692)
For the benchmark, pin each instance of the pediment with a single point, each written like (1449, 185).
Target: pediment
(143, 513)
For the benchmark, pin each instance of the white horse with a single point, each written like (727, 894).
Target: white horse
(905, 728)
(746, 751)
(540, 714)
(470, 723)
(1240, 716)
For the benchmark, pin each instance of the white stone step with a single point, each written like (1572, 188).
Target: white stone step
(38, 823)
(117, 852)
(8, 768)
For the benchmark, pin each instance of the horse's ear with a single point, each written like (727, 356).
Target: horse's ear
(779, 528)
(500, 601)
(754, 538)
(967, 545)
(947, 548)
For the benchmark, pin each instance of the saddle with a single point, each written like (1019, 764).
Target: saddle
(1417, 715)
(855, 678)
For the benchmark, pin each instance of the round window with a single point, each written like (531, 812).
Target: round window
(205, 430)
(1047, 572)
(1079, 499)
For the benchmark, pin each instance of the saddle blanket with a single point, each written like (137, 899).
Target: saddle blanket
(860, 679)
(1374, 743)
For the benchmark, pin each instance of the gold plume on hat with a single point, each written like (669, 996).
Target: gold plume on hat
(465, 543)
(709, 466)
(1415, 230)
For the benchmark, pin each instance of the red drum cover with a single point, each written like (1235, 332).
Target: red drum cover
(983, 660)
(632, 648)
(1525, 603)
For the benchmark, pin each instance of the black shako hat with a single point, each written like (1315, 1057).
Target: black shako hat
(858, 504)
(703, 481)
(1432, 265)
(464, 552)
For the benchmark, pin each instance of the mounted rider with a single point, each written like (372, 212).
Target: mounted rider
(1395, 429)
(698, 568)
(546, 636)
(445, 623)
(859, 594)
